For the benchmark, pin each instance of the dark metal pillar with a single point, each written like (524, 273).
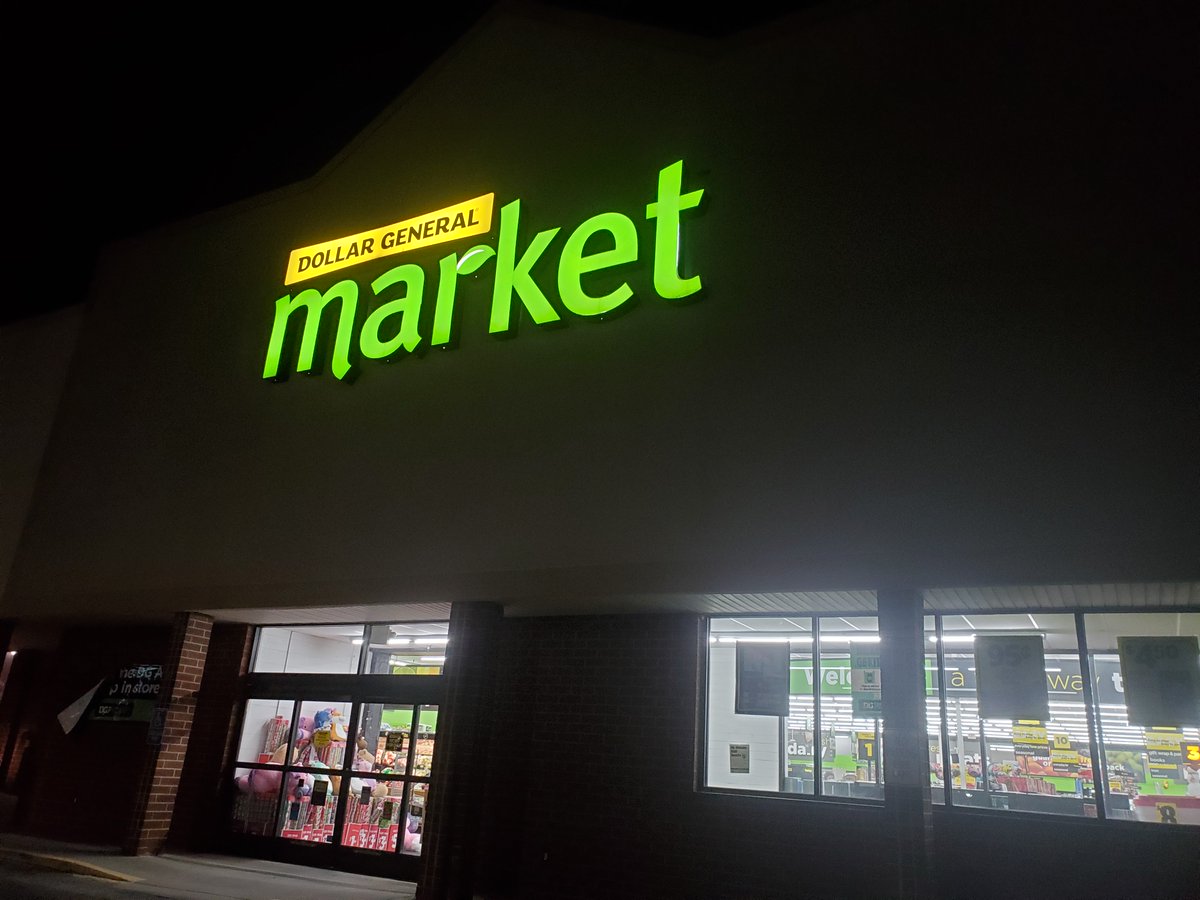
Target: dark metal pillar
(905, 743)
(451, 839)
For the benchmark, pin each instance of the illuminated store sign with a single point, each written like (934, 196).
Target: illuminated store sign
(395, 324)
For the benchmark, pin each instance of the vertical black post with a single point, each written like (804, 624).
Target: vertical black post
(818, 738)
(1099, 766)
(906, 763)
(944, 715)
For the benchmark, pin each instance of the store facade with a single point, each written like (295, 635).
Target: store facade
(604, 358)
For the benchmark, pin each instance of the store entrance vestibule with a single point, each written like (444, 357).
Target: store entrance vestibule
(333, 770)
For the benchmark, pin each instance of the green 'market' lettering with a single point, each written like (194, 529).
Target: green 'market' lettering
(407, 307)
(512, 276)
(667, 233)
(573, 264)
(314, 302)
(449, 268)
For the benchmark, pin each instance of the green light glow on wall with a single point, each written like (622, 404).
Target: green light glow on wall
(395, 324)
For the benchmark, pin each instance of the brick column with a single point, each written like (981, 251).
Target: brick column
(197, 823)
(182, 672)
(456, 790)
(905, 743)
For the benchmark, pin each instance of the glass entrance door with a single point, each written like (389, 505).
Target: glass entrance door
(334, 769)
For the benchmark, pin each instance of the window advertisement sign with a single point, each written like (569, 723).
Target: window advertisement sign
(131, 696)
(1161, 678)
(1164, 753)
(864, 681)
(1030, 740)
(1011, 675)
(763, 676)
(1064, 755)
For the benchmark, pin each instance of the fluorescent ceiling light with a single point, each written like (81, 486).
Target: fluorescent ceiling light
(954, 638)
(433, 659)
(356, 641)
(396, 641)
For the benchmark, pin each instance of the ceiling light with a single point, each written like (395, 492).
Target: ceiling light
(433, 659)
(395, 641)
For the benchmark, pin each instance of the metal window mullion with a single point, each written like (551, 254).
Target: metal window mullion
(818, 737)
(348, 758)
(943, 707)
(293, 726)
(1099, 769)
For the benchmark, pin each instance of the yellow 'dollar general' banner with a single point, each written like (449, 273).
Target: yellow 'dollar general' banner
(461, 220)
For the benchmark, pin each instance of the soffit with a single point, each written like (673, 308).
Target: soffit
(390, 612)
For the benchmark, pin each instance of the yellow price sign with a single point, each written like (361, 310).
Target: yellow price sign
(1191, 752)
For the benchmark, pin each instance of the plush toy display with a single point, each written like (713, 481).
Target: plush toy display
(304, 728)
(363, 762)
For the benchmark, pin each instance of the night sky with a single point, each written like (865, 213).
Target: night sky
(122, 119)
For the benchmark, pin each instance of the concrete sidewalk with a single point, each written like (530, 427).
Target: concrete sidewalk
(199, 875)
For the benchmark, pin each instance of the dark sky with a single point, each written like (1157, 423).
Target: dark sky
(122, 118)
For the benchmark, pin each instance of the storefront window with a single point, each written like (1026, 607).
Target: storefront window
(320, 735)
(795, 732)
(851, 708)
(256, 797)
(265, 728)
(414, 820)
(407, 648)
(1038, 761)
(1152, 769)
(1044, 762)
(310, 807)
(1016, 719)
(309, 649)
(374, 819)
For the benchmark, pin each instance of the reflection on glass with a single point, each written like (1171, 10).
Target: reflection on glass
(257, 791)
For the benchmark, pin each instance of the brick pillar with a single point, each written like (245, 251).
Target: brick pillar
(450, 840)
(905, 744)
(198, 823)
(182, 671)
